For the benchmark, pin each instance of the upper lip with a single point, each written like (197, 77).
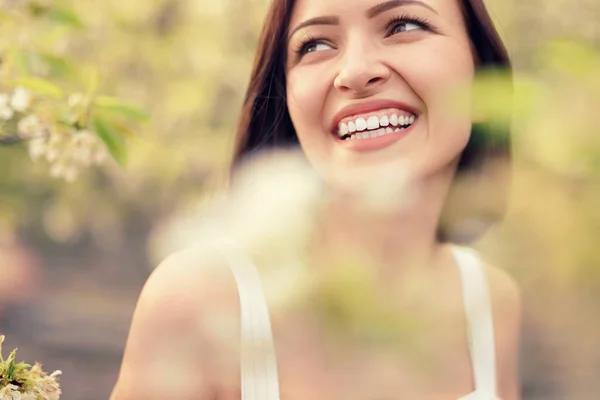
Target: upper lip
(366, 107)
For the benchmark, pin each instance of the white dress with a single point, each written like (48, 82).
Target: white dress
(259, 374)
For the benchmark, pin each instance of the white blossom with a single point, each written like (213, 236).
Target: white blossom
(101, 154)
(55, 147)
(10, 392)
(37, 148)
(67, 153)
(30, 126)
(21, 99)
(6, 112)
(57, 170)
(83, 145)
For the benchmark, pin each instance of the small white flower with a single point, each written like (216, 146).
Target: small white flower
(101, 154)
(83, 156)
(6, 112)
(30, 126)
(83, 144)
(52, 154)
(55, 147)
(21, 99)
(37, 148)
(10, 392)
(57, 170)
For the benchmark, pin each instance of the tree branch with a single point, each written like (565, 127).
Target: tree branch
(11, 140)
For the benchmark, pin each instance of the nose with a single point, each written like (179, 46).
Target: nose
(361, 71)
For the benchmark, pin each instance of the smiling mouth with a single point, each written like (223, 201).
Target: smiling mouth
(377, 124)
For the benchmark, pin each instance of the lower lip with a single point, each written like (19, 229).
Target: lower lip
(375, 143)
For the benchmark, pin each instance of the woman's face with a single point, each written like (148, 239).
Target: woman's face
(368, 84)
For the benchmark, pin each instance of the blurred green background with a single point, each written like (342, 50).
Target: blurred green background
(74, 256)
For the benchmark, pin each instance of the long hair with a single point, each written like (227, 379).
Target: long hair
(265, 122)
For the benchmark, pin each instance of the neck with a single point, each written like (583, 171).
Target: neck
(396, 240)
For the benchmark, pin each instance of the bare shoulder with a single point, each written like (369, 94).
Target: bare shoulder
(177, 318)
(186, 287)
(504, 291)
(506, 302)
(189, 278)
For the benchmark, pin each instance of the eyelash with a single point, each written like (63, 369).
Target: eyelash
(301, 48)
(423, 22)
(410, 19)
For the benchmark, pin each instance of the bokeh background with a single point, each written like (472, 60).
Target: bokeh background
(74, 256)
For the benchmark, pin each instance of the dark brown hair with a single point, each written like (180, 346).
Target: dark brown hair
(265, 122)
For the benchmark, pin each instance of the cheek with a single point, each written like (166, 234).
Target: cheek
(440, 73)
(441, 76)
(307, 91)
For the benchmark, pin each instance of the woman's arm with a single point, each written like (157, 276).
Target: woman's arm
(169, 342)
(506, 305)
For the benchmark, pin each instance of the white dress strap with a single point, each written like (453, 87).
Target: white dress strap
(478, 312)
(258, 362)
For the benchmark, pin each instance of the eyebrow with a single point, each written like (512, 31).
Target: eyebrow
(388, 5)
(371, 13)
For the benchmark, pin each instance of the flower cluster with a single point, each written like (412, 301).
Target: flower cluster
(20, 381)
(18, 102)
(67, 150)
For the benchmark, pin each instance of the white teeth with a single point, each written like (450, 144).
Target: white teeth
(365, 128)
(373, 134)
(372, 123)
(361, 124)
(343, 129)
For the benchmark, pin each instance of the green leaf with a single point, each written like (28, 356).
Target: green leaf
(124, 109)
(10, 361)
(40, 86)
(58, 65)
(93, 82)
(65, 17)
(112, 139)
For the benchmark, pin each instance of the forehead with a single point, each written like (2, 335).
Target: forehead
(304, 9)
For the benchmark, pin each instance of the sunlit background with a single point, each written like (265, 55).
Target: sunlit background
(74, 255)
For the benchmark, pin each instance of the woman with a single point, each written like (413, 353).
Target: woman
(361, 86)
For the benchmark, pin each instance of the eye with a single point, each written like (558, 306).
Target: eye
(311, 45)
(405, 27)
(314, 47)
(407, 23)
